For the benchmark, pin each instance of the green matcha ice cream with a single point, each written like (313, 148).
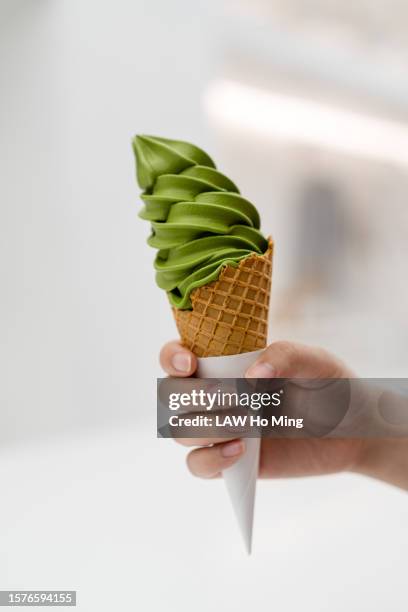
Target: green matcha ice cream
(200, 222)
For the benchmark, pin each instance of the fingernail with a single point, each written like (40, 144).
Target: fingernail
(232, 449)
(262, 369)
(181, 362)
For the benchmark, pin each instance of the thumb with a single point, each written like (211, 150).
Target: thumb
(292, 360)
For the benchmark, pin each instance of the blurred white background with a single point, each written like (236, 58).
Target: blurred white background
(91, 500)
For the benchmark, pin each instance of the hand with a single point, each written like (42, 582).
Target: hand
(279, 457)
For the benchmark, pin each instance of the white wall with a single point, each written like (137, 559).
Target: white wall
(80, 314)
(114, 514)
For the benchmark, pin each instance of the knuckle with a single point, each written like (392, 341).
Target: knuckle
(285, 347)
(191, 462)
(163, 355)
(184, 441)
(199, 463)
(332, 366)
(323, 354)
(166, 351)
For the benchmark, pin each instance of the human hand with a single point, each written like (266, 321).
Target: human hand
(278, 457)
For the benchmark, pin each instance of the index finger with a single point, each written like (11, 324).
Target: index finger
(176, 360)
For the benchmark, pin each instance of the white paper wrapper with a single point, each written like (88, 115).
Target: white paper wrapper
(240, 478)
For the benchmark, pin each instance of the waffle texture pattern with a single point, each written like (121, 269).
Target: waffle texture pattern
(230, 315)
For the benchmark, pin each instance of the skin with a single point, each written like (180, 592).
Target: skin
(384, 459)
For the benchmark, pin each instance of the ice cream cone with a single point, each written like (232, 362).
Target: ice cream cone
(230, 315)
(215, 265)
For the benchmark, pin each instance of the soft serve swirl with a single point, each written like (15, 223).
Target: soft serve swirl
(199, 220)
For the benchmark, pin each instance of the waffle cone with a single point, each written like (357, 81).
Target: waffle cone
(230, 315)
